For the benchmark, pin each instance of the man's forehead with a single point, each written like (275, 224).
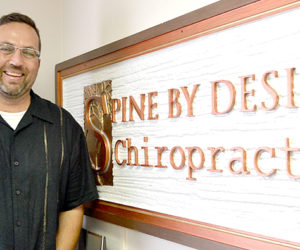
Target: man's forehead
(19, 32)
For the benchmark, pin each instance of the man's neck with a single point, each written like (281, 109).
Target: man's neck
(14, 105)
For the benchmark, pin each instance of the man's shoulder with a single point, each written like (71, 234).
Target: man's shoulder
(52, 111)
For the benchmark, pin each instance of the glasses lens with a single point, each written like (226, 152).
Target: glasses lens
(7, 49)
(29, 53)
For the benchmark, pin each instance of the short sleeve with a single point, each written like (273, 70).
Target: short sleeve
(81, 187)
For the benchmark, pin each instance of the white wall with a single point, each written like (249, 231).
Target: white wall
(47, 15)
(93, 23)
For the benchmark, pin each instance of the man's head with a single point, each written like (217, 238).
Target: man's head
(20, 18)
(19, 55)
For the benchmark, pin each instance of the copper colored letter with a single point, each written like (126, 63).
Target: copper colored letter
(139, 111)
(146, 154)
(174, 101)
(180, 150)
(160, 150)
(256, 155)
(191, 165)
(124, 100)
(190, 99)
(135, 151)
(288, 151)
(270, 90)
(117, 152)
(214, 97)
(151, 106)
(214, 152)
(242, 160)
(290, 87)
(116, 105)
(245, 93)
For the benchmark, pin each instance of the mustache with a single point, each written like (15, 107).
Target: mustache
(21, 68)
(13, 68)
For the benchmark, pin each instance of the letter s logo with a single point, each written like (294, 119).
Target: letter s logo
(103, 144)
(98, 130)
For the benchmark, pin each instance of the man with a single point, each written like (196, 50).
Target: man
(45, 174)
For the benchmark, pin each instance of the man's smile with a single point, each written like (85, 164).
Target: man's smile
(13, 73)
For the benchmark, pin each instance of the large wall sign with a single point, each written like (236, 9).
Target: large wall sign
(193, 125)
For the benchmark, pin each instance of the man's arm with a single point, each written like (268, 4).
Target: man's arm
(68, 232)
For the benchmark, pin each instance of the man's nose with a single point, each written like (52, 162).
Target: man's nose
(16, 58)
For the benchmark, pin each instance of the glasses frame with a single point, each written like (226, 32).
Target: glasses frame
(15, 48)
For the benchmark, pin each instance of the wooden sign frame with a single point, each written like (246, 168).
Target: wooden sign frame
(212, 18)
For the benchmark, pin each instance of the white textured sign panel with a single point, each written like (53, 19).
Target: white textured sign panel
(267, 205)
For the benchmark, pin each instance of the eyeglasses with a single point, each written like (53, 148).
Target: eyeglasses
(9, 49)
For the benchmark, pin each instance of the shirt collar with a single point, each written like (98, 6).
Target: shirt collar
(40, 108)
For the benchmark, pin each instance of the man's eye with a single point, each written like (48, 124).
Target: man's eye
(28, 53)
(7, 50)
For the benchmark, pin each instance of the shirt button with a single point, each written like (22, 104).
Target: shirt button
(18, 192)
(18, 223)
(16, 163)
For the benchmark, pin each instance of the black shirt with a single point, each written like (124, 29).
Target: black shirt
(44, 169)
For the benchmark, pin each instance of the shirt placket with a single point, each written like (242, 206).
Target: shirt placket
(17, 193)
